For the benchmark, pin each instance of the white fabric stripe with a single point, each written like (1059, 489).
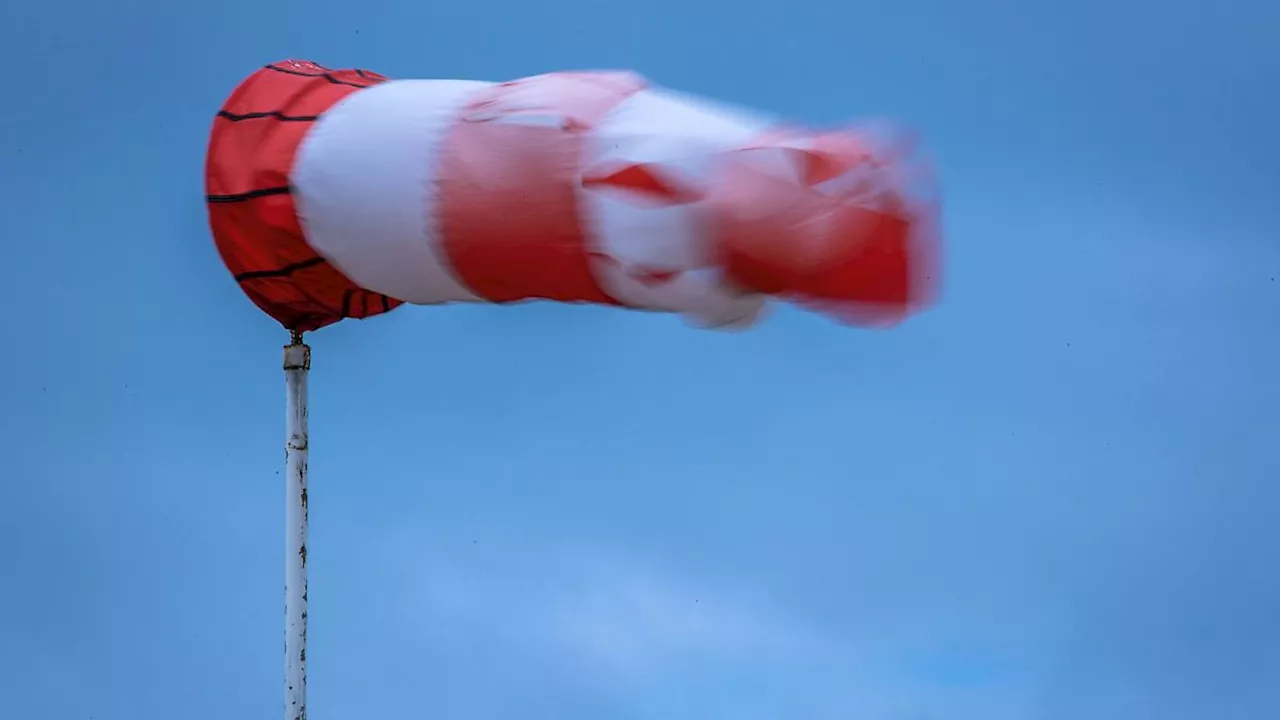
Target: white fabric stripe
(679, 137)
(365, 187)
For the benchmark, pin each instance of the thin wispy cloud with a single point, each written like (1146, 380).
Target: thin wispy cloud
(609, 612)
(646, 632)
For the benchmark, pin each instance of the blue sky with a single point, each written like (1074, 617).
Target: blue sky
(1052, 497)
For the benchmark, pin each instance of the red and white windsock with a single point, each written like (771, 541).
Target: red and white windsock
(338, 193)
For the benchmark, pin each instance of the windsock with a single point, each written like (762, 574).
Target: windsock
(340, 193)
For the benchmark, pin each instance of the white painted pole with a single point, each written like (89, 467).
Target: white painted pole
(297, 363)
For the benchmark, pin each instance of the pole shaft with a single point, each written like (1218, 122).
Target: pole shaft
(297, 363)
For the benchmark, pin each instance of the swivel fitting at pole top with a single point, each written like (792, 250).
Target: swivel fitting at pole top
(297, 356)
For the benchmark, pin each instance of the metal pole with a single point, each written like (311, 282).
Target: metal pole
(297, 363)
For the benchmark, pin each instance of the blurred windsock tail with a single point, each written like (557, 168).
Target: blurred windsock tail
(843, 223)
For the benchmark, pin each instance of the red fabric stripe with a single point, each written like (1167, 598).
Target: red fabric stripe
(864, 257)
(508, 181)
(261, 236)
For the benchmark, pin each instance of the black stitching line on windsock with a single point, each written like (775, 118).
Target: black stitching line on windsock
(275, 114)
(325, 75)
(349, 295)
(280, 272)
(250, 195)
